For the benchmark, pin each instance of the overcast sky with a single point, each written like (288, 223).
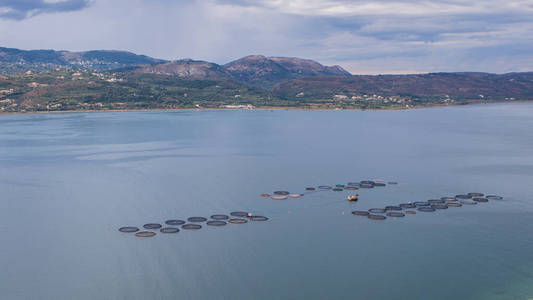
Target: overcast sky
(363, 36)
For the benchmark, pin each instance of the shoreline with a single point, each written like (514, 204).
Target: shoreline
(264, 108)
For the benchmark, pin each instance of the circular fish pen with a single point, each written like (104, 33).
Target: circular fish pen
(283, 193)
(473, 195)
(279, 197)
(175, 222)
(407, 205)
(395, 214)
(436, 201)
(360, 213)
(494, 197)
(258, 218)
(219, 217)
(216, 223)
(366, 186)
(351, 188)
(454, 204)
(239, 214)
(265, 195)
(426, 209)
(439, 206)
(324, 187)
(152, 226)
(393, 182)
(295, 195)
(376, 217)
(169, 230)
(367, 182)
(393, 207)
(409, 212)
(379, 184)
(310, 189)
(145, 234)
(463, 196)
(377, 210)
(468, 202)
(419, 204)
(191, 226)
(337, 189)
(237, 221)
(197, 219)
(479, 199)
(356, 184)
(445, 199)
(128, 229)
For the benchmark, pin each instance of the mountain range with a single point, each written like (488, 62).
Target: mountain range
(103, 76)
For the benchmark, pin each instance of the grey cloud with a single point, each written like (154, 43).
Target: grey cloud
(21, 9)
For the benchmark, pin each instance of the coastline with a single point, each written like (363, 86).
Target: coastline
(466, 103)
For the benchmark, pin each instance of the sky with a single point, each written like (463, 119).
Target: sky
(363, 36)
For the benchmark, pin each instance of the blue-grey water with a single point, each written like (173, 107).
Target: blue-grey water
(69, 181)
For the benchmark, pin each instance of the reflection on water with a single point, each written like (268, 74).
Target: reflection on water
(69, 181)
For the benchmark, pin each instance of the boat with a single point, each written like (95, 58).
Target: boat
(353, 197)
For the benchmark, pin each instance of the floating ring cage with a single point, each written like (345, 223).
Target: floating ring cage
(258, 218)
(409, 212)
(407, 205)
(436, 201)
(216, 223)
(143, 234)
(356, 184)
(393, 207)
(473, 195)
(454, 204)
(169, 230)
(295, 195)
(379, 184)
(360, 213)
(310, 189)
(463, 197)
(337, 189)
(128, 229)
(279, 197)
(175, 222)
(152, 226)
(395, 214)
(239, 214)
(377, 210)
(351, 188)
(393, 182)
(468, 202)
(197, 219)
(426, 209)
(237, 221)
(265, 195)
(219, 217)
(439, 206)
(324, 187)
(448, 199)
(281, 193)
(480, 199)
(418, 204)
(366, 186)
(191, 226)
(367, 182)
(376, 217)
(494, 197)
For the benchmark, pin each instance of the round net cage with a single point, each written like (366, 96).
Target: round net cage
(448, 199)
(494, 197)
(395, 214)
(439, 206)
(367, 182)
(436, 201)
(426, 209)
(409, 212)
(265, 195)
(393, 182)
(258, 218)
(480, 199)
(281, 193)
(237, 221)
(197, 219)
(366, 185)
(463, 197)
(476, 195)
(239, 214)
(219, 217)
(360, 213)
(418, 204)
(337, 189)
(216, 223)
(128, 229)
(351, 188)
(379, 184)
(468, 202)
(152, 226)
(376, 217)
(324, 187)
(279, 197)
(454, 204)
(145, 234)
(191, 226)
(175, 222)
(295, 195)
(169, 230)
(310, 189)
(377, 210)
(407, 205)
(393, 207)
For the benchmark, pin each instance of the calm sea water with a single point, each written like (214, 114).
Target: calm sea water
(69, 181)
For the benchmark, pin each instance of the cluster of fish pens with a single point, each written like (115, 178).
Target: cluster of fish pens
(237, 217)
